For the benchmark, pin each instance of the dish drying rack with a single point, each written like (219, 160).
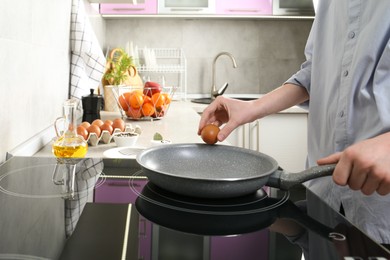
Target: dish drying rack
(167, 66)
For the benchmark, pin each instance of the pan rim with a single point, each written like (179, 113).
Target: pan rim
(274, 163)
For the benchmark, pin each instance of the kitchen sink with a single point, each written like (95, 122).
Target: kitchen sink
(208, 100)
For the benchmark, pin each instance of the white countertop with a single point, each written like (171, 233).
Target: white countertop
(180, 125)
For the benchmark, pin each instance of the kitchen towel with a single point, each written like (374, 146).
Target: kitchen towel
(87, 58)
(88, 172)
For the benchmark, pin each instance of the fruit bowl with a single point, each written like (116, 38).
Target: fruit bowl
(148, 103)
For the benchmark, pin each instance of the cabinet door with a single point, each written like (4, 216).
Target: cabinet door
(283, 136)
(142, 7)
(250, 246)
(245, 136)
(118, 191)
(244, 7)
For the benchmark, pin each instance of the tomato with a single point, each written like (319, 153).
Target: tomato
(209, 134)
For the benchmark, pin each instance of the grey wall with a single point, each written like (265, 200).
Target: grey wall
(267, 51)
(34, 67)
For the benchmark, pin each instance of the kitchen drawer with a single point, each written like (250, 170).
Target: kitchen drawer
(244, 7)
(118, 191)
(142, 7)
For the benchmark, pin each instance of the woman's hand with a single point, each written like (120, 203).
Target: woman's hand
(363, 166)
(235, 112)
(223, 110)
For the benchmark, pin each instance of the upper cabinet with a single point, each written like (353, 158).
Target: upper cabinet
(208, 8)
(186, 7)
(132, 7)
(244, 7)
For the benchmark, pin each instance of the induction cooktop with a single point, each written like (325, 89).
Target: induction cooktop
(159, 224)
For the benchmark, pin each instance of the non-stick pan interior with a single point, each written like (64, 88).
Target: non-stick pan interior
(207, 162)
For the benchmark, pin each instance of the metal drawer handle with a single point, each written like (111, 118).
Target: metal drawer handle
(128, 9)
(243, 10)
(186, 9)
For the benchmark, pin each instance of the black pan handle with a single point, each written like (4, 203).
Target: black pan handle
(285, 180)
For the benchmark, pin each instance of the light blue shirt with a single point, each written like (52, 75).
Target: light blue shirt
(347, 74)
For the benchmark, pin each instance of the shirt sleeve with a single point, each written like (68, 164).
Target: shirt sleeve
(303, 76)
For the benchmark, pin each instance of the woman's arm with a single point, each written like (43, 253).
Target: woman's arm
(234, 113)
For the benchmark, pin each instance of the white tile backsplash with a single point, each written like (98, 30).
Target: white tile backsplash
(34, 65)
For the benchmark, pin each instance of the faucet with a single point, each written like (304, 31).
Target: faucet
(214, 91)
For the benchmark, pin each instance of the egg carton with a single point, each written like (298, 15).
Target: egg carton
(106, 137)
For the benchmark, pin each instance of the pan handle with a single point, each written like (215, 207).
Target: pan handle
(284, 180)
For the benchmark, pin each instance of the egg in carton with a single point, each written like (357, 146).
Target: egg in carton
(106, 137)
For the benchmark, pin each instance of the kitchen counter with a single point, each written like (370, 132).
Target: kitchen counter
(179, 126)
(34, 223)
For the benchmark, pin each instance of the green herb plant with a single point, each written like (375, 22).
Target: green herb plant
(120, 64)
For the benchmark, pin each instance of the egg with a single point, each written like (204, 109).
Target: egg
(108, 121)
(94, 129)
(82, 131)
(108, 127)
(209, 134)
(85, 124)
(97, 122)
(118, 123)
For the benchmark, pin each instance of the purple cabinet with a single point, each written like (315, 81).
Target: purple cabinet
(252, 246)
(119, 191)
(142, 7)
(244, 7)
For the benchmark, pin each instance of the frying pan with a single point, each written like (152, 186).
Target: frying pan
(203, 217)
(218, 171)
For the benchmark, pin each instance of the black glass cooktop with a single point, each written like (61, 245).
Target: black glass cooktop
(136, 219)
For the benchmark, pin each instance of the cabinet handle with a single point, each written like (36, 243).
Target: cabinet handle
(142, 232)
(243, 136)
(128, 9)
(243, 10)
(258, 135)
(186, 9)
(249, 137)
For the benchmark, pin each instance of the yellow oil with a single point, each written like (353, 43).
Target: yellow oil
(69, 148)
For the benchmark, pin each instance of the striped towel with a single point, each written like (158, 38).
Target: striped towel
(87, 58)
(87, 173)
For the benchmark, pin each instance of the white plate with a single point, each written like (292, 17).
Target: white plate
(123, 152)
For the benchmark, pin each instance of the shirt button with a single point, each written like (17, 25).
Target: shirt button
(351, 35)
(341, 114)
(345, 73)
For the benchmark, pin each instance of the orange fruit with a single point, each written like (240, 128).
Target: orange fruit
(158, 100)
(134, 113)
(147, 99)
(136, 99)
(148, 109)
(167, 98)
(123, 100)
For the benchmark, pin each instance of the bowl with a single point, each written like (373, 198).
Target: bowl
(137, 103)
(127, 139)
